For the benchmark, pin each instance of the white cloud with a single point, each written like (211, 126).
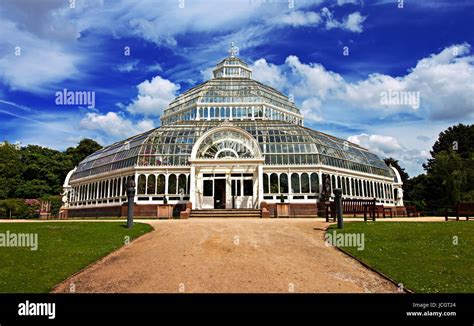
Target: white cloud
(206, 74)
(313, 79)
(268, 73)
(153, 96)
(299, 18)
(115, 124)
(129, 66)
(444, 82)
(387, 146)
(155, 68)
(29, 63)
(352, 22)
(344, 2)
(52, 34)
(311, 109)
(383, 145)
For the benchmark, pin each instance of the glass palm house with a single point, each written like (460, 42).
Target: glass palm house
(229, 143)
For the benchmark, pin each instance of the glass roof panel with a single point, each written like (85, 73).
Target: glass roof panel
(281, 143)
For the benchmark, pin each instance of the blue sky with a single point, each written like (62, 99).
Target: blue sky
(295, 46)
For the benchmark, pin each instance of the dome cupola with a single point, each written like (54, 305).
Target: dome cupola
(232, 66)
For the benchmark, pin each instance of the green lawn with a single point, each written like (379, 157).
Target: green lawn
(63, 249)
(420, 255)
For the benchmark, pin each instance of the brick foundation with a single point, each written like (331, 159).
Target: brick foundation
(147, 211)
(296, 210)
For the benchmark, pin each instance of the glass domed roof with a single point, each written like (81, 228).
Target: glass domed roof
(232, 88)
(232, 97)
(281, 143)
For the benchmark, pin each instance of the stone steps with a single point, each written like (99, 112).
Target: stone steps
(226, 213)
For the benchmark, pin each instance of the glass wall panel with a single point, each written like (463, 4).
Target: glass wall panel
(160, 187)
(284, 183)
(141, 184)
(151, 185)
(305, 183)
(295, 183)
(314, 183)
(274, 183)
(172, 184)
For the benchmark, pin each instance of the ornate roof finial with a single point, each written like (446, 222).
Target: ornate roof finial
(233, 51)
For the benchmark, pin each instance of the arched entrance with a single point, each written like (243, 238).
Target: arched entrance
(226, 169)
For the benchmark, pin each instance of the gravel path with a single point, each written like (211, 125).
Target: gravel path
(229, 255)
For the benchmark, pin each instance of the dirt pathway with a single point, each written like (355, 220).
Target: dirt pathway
(229, 255)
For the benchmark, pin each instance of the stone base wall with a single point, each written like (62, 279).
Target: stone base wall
(147, 211)
(296, 210)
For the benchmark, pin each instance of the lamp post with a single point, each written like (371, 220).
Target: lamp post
(130, 195)
(338, 202)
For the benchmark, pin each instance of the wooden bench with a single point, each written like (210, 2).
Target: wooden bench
(461, 209)
(381, 209)
(411, 210)
(353, 206)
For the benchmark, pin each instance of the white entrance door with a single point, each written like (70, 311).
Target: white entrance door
(241, 194)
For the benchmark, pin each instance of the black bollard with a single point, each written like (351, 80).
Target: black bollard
(338, 202)
(130, 195)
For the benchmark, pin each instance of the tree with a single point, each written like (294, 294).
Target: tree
(33, 189)
(459, 138)
(393, 162)
(447, 171)
(85, 148)
(42, 171)
(10, 175)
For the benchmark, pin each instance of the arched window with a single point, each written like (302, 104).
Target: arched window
(314, 183)
(182, 184)
(305, 183)
(274, 183)
(141, 184)
(339, 182)
(283, 183)
(150, 188)
(172, 184)
(265, 184)
(333, 183)
(124, 186)
(343, 185)
(160, 186)
(356, 187)
(295, 183)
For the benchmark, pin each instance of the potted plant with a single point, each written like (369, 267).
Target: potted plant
(283, 209)
(165, 210)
